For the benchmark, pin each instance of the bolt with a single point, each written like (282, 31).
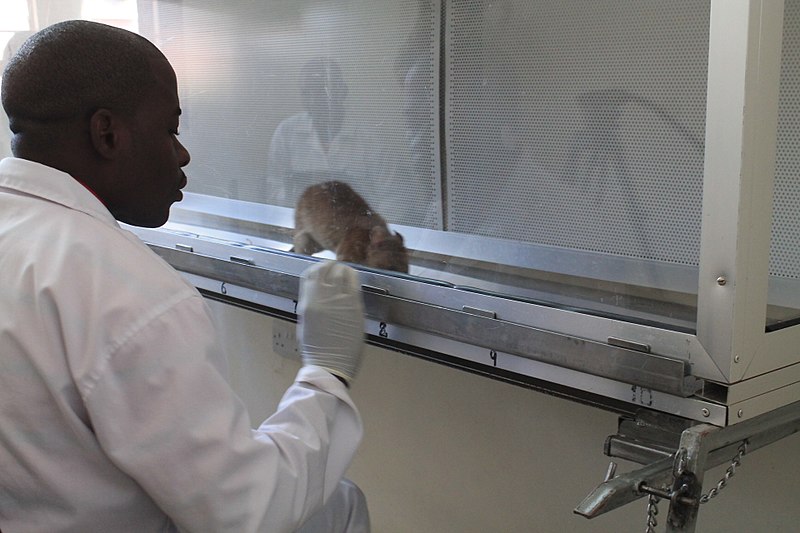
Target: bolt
(736, 359)
(740, 413)
(705, 412)
(721, 280)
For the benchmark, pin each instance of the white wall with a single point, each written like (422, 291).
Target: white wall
(446, 451)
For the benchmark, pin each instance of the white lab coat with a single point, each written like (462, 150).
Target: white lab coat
(297, 159)
(295, 148)
(114, 411)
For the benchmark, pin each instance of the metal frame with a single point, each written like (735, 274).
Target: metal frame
(238, 217)
(728, 372)
(472, 325)
(678, 476)
(395, 307)
(741, 126)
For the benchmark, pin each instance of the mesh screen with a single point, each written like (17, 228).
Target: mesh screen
(785, 252)
(569, 123)
(578, 124)
(278, 95)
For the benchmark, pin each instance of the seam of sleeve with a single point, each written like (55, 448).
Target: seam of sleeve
(89, 383)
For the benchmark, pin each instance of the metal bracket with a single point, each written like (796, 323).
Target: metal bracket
(473, 325)
(679, 476)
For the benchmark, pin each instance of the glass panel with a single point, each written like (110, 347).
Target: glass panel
(282, 95)
(572, 137)
(580, 125)
(120, 13)
(544, 150)
(784, 287)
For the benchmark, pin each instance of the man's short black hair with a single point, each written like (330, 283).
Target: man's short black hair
(72, 68)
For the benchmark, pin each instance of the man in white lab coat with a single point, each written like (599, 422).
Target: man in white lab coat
(115, 415)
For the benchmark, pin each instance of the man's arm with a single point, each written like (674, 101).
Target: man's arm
(164, 415)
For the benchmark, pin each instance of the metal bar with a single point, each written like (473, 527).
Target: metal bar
(689, 468)
(245, 275)
(741, 125)
(629, 366)
(719, 446)
(763, 429)
(635, 451)
(624, 489)
(568, 321)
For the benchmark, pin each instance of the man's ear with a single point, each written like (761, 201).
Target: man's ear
(107, 133)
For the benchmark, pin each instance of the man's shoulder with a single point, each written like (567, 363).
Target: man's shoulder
(135, 263)
(297, 124)
(113, 260)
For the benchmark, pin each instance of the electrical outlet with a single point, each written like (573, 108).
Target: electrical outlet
(284, 339)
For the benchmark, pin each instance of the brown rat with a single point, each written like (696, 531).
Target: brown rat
(332, 216)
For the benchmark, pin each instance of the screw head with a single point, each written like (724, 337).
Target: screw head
(705, 412)
(740, 413)
(722, 280)
(736, 359)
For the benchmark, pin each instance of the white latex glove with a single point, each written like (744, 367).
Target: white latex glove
(330, 312)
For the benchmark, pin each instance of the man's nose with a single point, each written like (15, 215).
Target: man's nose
(183, 154)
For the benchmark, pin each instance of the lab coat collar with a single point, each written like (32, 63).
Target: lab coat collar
(45, 182)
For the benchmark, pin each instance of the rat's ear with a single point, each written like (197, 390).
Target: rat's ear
(378, 234)
(399, 237)
(107, 133)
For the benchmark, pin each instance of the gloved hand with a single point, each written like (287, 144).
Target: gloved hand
(330, 314)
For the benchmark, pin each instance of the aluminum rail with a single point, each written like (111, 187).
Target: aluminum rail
(465, 324)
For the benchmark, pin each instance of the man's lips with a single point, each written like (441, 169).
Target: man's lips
(183, 183)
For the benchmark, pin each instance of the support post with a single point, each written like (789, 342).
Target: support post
(689, 466)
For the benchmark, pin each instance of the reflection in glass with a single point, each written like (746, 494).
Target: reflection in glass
(311, 143)
(784, 266)
(310, 146)
(523, 148)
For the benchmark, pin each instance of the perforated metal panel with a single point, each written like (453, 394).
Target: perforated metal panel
(240, 68)
(578, 124)
(785, 249)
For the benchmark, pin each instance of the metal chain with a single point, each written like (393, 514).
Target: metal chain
(652, 500)
(735, 463)
(652, 512)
